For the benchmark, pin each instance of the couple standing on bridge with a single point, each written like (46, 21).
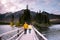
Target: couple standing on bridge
(27, 27)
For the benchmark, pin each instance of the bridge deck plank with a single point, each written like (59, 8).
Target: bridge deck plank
(29, 36)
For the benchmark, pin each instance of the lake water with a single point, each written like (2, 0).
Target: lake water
(5, 28)
(53, 33)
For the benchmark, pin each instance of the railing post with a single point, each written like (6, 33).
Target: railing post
(44, 38)
(0, 38)
(18, 32)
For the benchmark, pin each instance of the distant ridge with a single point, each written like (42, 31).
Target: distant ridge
(7, 16)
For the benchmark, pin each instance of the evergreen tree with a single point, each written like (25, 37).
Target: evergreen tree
(39, 17)
(26, 17)
(42, 17)
(12, 17)
(12, 20)
(45, 17)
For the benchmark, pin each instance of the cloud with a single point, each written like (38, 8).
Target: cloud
(1, 7)
(28, 1)
(14, 5)
(59, 4)
(46, 2)
(57, 12)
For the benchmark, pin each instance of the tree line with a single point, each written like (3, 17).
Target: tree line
(40, 18)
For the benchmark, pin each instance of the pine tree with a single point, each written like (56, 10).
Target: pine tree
(39, 17)
(12, 20)
(26, 17)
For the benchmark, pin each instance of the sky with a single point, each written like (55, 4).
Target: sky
(51, 6)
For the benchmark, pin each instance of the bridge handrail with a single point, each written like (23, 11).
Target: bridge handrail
(10, 32)
(20, 36)
(40, 33)
(35, 37)
(15, 35)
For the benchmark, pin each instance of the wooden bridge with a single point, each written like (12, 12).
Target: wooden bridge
(18, 34)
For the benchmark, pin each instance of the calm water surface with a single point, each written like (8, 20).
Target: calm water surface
(5, 28)
(53, 33)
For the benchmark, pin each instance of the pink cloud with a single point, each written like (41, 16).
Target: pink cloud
(28, 1)
(13, 5)
(1, 7)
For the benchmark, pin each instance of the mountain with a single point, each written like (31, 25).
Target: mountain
(51, 16)
(7, 16)
(2, 16)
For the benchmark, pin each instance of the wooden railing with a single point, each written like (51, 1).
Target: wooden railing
(18, 30)
(41, 35)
